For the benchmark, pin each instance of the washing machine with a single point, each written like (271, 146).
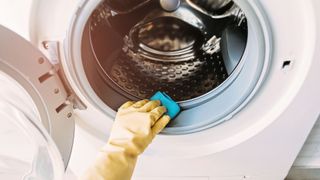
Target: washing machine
(245, 73)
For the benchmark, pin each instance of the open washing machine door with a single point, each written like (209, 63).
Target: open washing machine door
(33, 74)
(27, 152)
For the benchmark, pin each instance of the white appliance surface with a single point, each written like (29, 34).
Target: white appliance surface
(261, 142)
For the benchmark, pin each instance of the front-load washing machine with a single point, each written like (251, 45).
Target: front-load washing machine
(245, 74)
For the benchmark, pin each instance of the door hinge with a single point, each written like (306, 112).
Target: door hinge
(52, 49)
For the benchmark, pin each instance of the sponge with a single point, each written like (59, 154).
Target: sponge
(172, 107)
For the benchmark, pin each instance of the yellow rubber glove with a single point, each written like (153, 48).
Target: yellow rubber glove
(135, 126)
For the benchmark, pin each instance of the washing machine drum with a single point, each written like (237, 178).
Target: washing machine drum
(187, 49)
(153, 50)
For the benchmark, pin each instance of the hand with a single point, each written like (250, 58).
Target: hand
(136, 125)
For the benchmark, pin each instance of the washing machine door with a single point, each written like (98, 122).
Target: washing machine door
(27, 151)
(41, 81)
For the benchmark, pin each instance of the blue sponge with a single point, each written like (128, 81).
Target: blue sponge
(172, 107)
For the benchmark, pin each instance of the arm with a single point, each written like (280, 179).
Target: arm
(135, 126)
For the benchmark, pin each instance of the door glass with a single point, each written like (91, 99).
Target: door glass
(27, 151)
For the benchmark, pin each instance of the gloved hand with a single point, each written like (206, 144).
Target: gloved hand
(135, 126)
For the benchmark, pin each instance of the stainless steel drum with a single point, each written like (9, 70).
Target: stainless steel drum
(148, 49)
